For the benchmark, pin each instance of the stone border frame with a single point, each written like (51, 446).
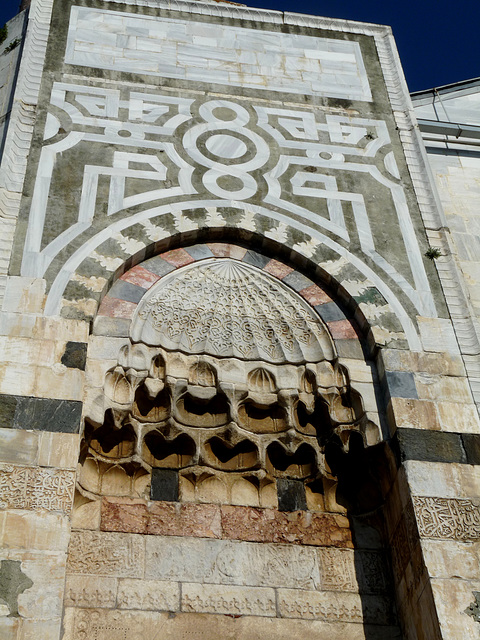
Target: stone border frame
(89, 279)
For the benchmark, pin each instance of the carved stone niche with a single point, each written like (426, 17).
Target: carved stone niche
(230, 378)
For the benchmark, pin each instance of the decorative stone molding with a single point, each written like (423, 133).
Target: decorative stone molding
(21, 123)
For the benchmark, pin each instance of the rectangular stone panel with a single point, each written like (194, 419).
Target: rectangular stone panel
(231, 563)
(431, 446)
(18, 447)
(36, 488)
(228, 600)
(40, 414)
(218, 53)
(43, 575)
(337, 568)
(108, 554)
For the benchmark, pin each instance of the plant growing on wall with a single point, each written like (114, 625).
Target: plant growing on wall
(13, 45)
(433, 253)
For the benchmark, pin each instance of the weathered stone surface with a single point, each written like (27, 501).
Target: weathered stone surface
(408, 413)
(90, 591)
(113, 326)
(163, 518)
(431, 446)
(418, 361)
(103, 625)
(28, 530)
(453, 599)
(228, 600)
(27, 351)
(458, 417)
(45, 629)
(13, 582)
(24, 295)
(400, 384)
(108, 554)
(59, 450)
(87, 515)
(231, 563)
(452, 559)
(148, 595)
(8, 406)
(185, 519)
(471, 445)
(232, 522)
(279, 270)
(437, 479)
(75, 355)
(58, 382)
(18, 447)
(164, 485)
(268, 525)
(43, 414)
(9, 627)
(337, 569)
(443, 388)
(129, 516)
(36, 488)
(46, 569)
(291, 495)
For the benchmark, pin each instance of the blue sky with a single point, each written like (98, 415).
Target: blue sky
(438, 41)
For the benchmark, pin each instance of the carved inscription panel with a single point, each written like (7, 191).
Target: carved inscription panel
(447, 518)
(36, 488)
(223, 562)
(107, 554)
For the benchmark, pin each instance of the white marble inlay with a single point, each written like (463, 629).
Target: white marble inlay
(226, 146)
(237, 56)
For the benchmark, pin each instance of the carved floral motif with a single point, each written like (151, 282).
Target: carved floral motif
(227, 308)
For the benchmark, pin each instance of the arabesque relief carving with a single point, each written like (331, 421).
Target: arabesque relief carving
(452, 518)
(227, 370)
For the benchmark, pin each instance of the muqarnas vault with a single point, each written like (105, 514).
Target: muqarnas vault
(238, 394)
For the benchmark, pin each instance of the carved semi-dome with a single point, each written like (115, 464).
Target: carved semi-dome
(226, 308)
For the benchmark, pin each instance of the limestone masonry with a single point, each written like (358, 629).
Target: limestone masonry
(239, 330)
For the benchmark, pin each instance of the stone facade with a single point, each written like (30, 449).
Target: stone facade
(237, 396)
